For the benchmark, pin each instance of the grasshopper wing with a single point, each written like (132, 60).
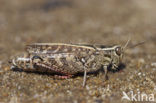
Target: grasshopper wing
(66, 58)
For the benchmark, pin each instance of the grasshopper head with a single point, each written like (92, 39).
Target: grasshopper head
(116, 55)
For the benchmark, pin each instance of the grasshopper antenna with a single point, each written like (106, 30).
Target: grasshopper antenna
(137, 44)
(126, 44)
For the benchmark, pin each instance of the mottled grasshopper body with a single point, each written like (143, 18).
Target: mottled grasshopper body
(69, 59)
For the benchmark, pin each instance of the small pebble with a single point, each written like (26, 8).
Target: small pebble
(139, 73)
(0, 64)
(154, 69)
(153, 64)
(141, 60)
(155, 88)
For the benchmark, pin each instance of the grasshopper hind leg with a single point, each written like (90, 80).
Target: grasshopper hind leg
(63, 76)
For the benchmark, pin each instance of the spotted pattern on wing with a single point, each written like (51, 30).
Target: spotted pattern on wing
(67, 58)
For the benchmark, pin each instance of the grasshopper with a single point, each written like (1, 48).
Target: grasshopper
(69, 59)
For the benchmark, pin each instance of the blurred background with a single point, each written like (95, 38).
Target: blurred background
(72, 21)
(75, 21)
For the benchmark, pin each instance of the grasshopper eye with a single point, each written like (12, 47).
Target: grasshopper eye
(118, 51)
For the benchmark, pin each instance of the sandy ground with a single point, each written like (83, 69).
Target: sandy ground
(78, 21)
